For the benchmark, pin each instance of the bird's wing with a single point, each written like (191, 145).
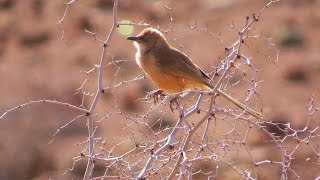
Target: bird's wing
(179, 64)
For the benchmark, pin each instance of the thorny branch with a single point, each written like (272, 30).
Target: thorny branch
(173, 151)
(90, 124)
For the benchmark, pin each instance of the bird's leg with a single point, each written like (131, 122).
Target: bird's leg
(156, 95)
(174, 101)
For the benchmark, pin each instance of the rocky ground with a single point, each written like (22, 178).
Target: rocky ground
(35, 63)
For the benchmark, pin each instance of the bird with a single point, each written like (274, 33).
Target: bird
(171, 70)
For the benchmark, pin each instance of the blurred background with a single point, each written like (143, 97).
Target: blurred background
(36, 63)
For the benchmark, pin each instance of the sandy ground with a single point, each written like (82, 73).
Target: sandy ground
(35, 63)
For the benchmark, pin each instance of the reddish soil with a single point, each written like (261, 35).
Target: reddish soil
(35, 63)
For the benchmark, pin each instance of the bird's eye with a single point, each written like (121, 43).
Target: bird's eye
(142, 38)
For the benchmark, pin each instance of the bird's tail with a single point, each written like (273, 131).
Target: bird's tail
(236, 102)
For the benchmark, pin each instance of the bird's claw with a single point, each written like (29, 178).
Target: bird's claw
(156, 95)
(173, 102)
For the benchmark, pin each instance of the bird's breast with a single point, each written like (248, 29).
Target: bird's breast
(168, 82)
(149, 64)
(138, 59)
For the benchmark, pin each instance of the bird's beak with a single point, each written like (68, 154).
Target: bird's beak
(132, 38)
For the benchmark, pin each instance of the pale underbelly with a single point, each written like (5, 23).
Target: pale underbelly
(172, 83)
(167, 82)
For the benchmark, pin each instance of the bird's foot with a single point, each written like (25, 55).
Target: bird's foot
(174, 102)
(156, 95)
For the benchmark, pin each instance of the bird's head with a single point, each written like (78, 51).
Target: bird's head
(149, 38)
